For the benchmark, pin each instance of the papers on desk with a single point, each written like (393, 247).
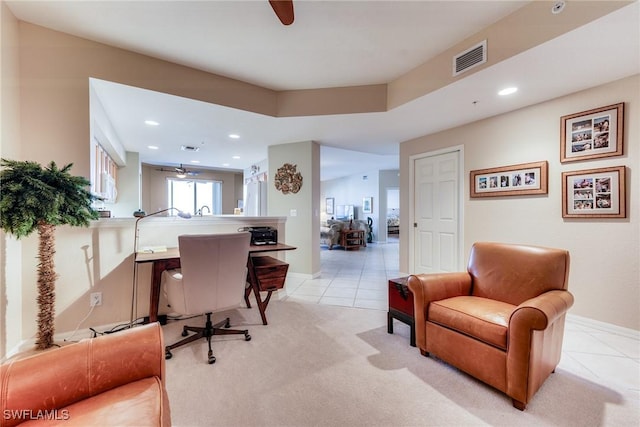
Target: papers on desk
(152, 249)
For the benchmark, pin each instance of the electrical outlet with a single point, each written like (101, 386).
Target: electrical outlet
(95, 299)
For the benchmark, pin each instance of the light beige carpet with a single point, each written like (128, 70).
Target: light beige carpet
(317, 365)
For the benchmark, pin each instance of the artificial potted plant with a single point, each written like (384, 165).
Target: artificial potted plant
(36, 198)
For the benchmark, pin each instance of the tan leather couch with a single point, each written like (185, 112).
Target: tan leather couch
(502, 320)
(112, 380)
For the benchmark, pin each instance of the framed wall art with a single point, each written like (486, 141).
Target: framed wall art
(516, 180)
(592, 134)
(367, 205)
(594, 193)
(330, 205)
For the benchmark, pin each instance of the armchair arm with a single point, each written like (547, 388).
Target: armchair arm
(434, 287)
(534, 343)
(60, 377)
(539, 312)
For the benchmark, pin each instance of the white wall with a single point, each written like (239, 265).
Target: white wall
(605, 253)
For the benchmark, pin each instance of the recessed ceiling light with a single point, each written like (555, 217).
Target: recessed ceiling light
(195, 161)
(152, 147)
(151, 123)
(234, 136)
(225, 164)
(235, 157)
(508, 91)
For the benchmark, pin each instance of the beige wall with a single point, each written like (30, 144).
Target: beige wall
(605, 253)
(10, 249)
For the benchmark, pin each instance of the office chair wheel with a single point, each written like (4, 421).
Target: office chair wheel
(247, 337)
(167, 354)
(212, 358)
(228, 324)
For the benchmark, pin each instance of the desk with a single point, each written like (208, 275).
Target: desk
(171, 259)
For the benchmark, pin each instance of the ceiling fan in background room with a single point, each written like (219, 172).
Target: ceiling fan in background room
(180, 171)
(284, 10)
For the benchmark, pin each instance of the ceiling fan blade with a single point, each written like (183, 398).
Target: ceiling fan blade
(284, 10)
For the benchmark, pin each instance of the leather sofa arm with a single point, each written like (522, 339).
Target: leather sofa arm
(439, 286)
(434, 287)
(539, 312)
(60, 377)
(535, 340)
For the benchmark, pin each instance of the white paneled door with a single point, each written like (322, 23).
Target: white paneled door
(436, 213)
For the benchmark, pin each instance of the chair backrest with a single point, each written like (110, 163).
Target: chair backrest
(515, 273)
(214, 270)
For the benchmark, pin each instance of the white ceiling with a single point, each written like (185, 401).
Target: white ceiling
(330, 44)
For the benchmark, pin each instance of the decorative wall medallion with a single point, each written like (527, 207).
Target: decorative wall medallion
(287, 179)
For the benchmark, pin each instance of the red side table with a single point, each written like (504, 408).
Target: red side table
(401, 306)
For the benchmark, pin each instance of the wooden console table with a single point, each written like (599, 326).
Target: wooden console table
(352, 239)
(171, 259)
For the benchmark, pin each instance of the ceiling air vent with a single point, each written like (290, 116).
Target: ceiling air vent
(189, 148)
(470, 58)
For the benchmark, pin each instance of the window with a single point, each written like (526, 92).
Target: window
(198, 197)
(104, 175)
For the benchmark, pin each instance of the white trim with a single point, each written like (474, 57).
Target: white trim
(461, 177)
(59, 339)
(605, 327)
(304, 275)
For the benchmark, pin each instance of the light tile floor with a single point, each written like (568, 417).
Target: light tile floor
(596, 351)
(354, 278)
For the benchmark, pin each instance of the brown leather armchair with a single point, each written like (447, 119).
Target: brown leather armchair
(113, 380)
(502, 320)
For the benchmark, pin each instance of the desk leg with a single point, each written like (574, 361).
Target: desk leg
(253, 280)
(154, 294)
(247, 292)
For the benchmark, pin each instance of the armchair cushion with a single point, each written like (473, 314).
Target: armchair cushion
(481, 318)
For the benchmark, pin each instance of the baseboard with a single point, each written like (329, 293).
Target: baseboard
(304, 276)
(66, 338)
(605, 327)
